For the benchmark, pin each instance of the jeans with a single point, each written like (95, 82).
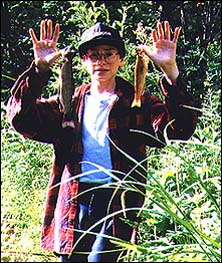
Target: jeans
(92, 207)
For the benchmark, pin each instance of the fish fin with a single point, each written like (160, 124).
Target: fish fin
(68, 120)
(70, 124)
(136, 103)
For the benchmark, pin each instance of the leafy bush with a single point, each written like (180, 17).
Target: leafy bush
(181, 216)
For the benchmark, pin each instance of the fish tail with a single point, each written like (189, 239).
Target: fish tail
(68, 121)
(136, 103)
(70, 124)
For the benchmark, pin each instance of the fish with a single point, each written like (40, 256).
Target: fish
(140, 71)
(66, 87)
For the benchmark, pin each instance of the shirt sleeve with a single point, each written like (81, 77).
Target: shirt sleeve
(29, 114)
(175, 117)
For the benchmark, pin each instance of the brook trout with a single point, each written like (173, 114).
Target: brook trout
(66, 86)
(139, 78)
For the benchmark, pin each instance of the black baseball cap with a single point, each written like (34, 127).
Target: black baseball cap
(100, 34)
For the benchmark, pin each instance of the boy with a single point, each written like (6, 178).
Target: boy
(95, 185)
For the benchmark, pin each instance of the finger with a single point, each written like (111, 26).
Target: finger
(154, 35)
(49, 29)
(56, 33)
(160, 30)
(176, 34)
(167, 30)
(33, 36)
(42, 34)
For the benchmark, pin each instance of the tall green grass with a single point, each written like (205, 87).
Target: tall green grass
(25, 167)
(181, 215)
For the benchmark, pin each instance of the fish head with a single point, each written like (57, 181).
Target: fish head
(68, 52)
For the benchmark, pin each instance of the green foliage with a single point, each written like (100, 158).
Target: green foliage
(25, 172)
(182, 211)
(181, 216)
(198, 47)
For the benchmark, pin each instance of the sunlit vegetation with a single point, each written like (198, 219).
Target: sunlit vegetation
(181, 218)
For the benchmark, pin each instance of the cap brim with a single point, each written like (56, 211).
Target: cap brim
(95, 42)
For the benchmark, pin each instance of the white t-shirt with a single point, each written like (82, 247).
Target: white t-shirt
(96, 148)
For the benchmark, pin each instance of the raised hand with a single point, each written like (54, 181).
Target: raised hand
(163, 52)
(45, 53)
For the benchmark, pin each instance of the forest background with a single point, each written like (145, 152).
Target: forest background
(182, 211)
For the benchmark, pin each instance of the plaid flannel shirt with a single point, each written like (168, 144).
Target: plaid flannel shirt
(40, 119)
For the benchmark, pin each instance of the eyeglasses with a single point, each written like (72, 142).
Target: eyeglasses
(109, 57)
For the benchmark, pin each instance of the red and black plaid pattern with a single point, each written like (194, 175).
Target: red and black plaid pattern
(131, 130)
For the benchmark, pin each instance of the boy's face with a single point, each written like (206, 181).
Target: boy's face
(102, 62)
